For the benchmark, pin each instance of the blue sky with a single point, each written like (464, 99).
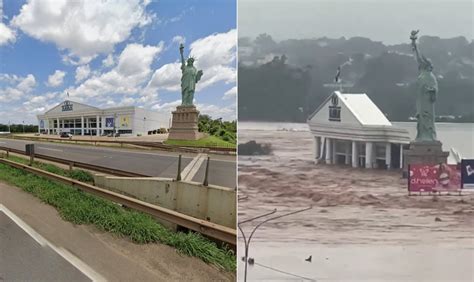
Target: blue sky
(113, 53)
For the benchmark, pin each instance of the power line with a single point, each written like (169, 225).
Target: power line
(284, 272)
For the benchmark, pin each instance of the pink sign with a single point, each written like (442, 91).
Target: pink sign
(434, 178)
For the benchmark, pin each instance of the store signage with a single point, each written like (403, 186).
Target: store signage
(67, 106)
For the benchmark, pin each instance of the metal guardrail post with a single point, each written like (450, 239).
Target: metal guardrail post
(206, 175)
(178, 177)
(71, 164)
(8, 153)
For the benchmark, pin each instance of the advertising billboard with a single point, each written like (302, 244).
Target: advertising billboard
(125, 121)
(434, 178)
(109, 122)
(467, 174)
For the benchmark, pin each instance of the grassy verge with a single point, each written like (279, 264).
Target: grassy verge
(76, 174)
(82, 208)
(209, 141)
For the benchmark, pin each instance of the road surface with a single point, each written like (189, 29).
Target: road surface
(58, 250)
(26, 256)
(222, 169)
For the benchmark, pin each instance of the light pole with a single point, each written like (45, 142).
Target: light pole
(9, 127)
(247, 241)
(144, 127)
(115, 121)
(23, 127)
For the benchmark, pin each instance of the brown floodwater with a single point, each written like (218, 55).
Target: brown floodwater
(363, 225)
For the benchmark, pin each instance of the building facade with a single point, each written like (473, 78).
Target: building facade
(81, 119)
(350, 129)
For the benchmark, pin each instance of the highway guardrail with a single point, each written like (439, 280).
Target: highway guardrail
(219, 232)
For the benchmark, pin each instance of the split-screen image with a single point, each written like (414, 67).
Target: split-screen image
(236, 140)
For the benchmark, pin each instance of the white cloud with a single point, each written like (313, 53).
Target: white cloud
(6, 34)
(167, 77)
(132, 70)
(9, 78)
(216, 49)
(226, 113)
(83, 28)
(231, 93)
(214, 54)
(56, 79)
(109, 61)
(27, 84)
(179, 39)
(18, 89)
(82, 72)
(166, 107)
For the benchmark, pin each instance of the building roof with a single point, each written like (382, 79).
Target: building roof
(360, 106)
(366, 112)
(359, 119)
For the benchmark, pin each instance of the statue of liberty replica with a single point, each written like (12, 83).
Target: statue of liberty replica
(425, 149)
(190, 77)
(427, 88)
(185, 119)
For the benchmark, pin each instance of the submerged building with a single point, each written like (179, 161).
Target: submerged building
(81, 119)
(350, 129)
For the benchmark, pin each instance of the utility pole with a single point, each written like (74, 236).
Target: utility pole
(23, 127)
(247, 240)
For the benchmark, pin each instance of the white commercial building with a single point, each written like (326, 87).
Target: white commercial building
(350, 129)
(80, 119)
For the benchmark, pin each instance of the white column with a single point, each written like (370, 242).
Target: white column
(102, 122)
(348, 152)
(333, 149)
(355, 154)
(328, 150)
(317, 147)
(388, 155)
(368, 154)
(82, 125)
(57, 130)
(401, 155)
(97, 126)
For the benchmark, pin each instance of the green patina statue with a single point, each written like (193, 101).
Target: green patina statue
(190, 76)
(427, 88)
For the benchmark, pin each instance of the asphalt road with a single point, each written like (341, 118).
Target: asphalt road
(222, 170)
(24, 259)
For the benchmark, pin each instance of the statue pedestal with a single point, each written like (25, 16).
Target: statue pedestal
(424, 152)
(185, 124)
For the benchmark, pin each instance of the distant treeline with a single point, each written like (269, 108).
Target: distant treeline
(288, 80)
(225, 130)
(19, 128)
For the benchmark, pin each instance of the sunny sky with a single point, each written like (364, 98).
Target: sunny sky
(114, 53)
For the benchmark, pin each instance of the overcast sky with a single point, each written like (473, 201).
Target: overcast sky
(389, 21)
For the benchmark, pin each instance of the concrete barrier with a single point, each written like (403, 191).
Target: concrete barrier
(212, 203)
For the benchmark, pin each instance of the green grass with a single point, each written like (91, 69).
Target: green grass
(209, 141)
(81, 208)
(76, 174)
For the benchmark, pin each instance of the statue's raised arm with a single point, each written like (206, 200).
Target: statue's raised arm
(181, 51)
(414, 37)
